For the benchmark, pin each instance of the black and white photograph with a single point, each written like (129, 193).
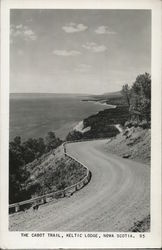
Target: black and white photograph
(80, 122)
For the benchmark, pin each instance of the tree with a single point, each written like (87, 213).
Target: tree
(74, 136)
(33, 149)
(51, 141)
(17, 171)
(40, 146)
(19, 155)
(126, 93)
(142, 86)
(138, 98)
(141, 96)
(17, 141)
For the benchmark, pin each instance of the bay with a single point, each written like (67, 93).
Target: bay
(34, 115)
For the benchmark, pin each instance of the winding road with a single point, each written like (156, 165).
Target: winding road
(117, 196)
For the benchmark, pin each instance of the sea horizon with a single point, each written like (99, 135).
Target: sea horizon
(24, 94)
(34, 115)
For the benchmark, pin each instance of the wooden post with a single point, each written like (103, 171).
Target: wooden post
(17, 208)
(43, 200)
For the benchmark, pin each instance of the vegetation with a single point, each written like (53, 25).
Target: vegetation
(21, 153)
(38, 166)
(102, 124)
(138, 99)
(141, 226)
(133, 108)
(32, 170)
(55, 172)
(115, 98)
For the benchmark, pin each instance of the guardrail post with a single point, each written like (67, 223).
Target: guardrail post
(64, 149)
(17, 208)
(43, 200)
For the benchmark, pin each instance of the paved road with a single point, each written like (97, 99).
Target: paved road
(116, 197)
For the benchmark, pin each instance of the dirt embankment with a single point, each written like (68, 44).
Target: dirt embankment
(133, 143)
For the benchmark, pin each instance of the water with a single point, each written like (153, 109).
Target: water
(33, 115)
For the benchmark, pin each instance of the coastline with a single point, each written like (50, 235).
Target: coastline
(41, 115)
(103, 103)
(79, 127)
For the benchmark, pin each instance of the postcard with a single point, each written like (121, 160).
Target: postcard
(80, 124)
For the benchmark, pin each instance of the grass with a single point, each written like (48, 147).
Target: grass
(142, 226)
(53, 172)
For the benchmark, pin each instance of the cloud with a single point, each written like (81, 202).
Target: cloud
(104, 30)
(66, 52)
(22, 32)
(73, 27)
(83, 67)
(94, 47)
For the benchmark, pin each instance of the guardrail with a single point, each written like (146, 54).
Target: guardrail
(15, 207)
(87, 139)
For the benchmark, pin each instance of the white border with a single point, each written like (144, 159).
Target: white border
(153, 239)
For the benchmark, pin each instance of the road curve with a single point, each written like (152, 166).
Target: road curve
(117, 196)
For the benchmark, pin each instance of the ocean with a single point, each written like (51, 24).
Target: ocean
(34, 115)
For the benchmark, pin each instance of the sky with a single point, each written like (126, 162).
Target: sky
(78, 51)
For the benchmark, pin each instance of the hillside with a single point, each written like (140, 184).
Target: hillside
(133, 143)
(110, 94)
(53, 172)
(112, 98)
(102, 124)
(50, 173)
